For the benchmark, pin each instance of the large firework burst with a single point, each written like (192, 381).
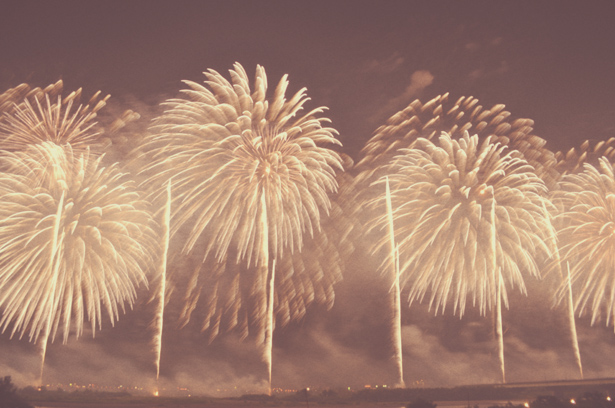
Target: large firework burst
(469, 220)
(586, 233)
(250, 179)
(225, 148)
(443, 195)
(75, 239)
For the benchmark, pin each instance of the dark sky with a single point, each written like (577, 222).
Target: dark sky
(549, 61)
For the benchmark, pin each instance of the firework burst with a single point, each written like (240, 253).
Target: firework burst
(15, 96)
(74, 241)
(33, 116)
(590, 152)
(586, 233)
(39, 119)
(250, 179)
(469, 220)
(438, 115)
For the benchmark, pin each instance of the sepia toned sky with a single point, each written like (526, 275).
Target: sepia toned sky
(552, 62)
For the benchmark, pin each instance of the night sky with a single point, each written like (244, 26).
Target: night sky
(552, 62)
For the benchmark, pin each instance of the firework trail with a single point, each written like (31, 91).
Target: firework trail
(158, 321)
(557, 265)
(469, 219)
(74, 240)
(395, 290)
(235, 157)
(586, 225)
(573, 326)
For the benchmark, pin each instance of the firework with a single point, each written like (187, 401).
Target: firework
(159, 318)
(586, 225)
(469, 220)
(590, 152)
(40, 119)
(32, 116)
(396, 289)
(250, 177)
(438, 115)
(15, 96)
(74, 241)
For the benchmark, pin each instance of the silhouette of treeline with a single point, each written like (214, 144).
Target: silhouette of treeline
(9, 398)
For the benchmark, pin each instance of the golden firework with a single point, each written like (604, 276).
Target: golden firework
(586, 235)
(75, 240)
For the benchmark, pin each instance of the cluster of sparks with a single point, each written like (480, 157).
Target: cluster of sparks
(459, 202)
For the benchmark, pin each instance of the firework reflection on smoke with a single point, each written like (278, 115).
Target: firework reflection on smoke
(74, 240)
(442, 196)
(251, 180)
(586, 232)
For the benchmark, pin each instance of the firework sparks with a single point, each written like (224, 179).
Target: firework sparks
(590, 152)
(39, 119)
(32, 116)
(438, 115)
(74, 240)
(15, 96)
(586, 232)
(248, 171)
(469, 219)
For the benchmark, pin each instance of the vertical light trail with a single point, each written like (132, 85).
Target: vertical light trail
(396, 296)
(499, 330)
(53, 265)
(270, 324)
(573, 326)
(570, 305)
(497, 275)
(269, 288)
(166, 220)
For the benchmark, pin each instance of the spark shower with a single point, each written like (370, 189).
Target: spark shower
(453, 202)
